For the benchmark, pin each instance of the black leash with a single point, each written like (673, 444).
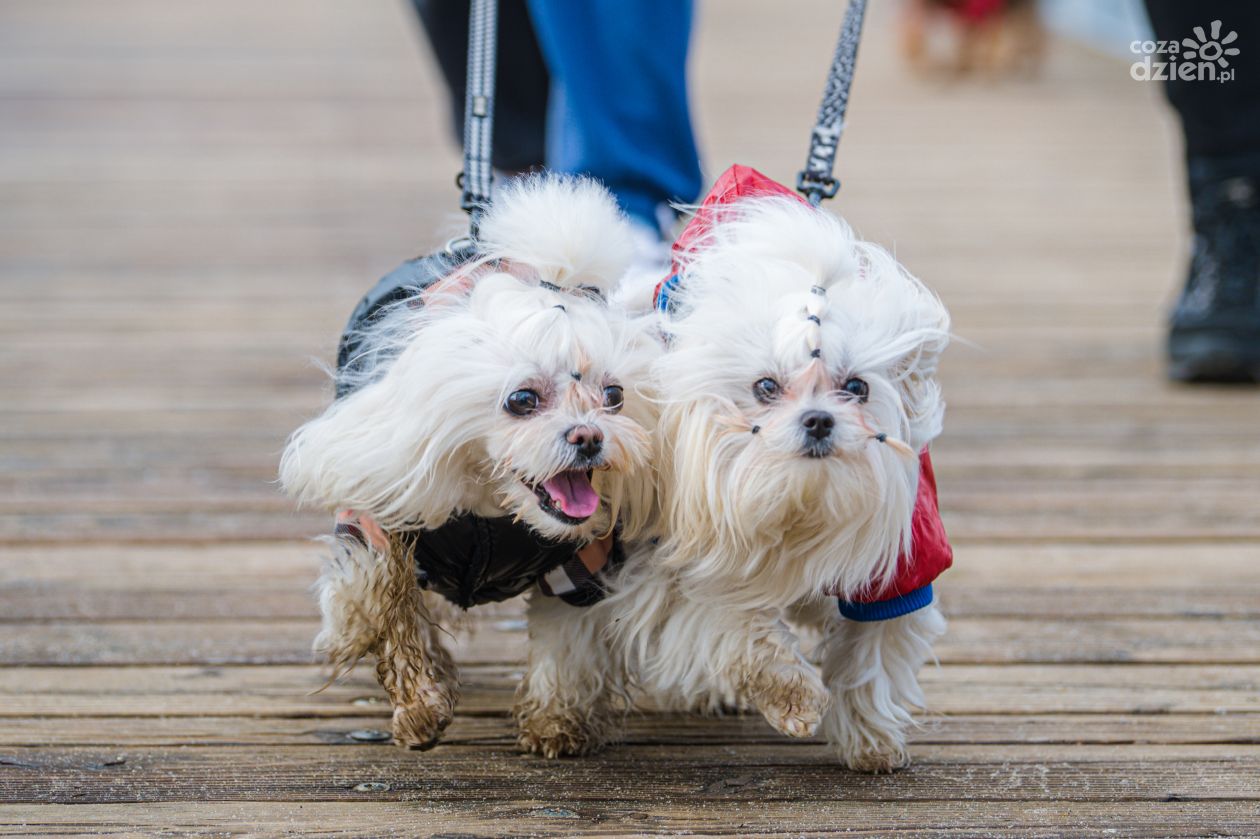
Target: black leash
(815, 181)
(406, 282)
(478, 176)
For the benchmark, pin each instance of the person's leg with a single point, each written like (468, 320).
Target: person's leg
(1215, 327)
(619, 108)
(522, 85)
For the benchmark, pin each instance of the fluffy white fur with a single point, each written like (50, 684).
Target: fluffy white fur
(567, 230)
(575, 694)
(759, 525)
(427, 435)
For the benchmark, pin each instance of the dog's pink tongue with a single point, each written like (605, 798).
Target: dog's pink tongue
(574, 493)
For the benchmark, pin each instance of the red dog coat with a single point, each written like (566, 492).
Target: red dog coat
(930, 553)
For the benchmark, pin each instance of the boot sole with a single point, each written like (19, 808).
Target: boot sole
(1213, 357)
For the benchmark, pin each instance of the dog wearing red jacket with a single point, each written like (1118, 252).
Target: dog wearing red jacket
(798, 396)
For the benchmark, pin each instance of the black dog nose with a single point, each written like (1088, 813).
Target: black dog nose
(588, 439)
(818, 424)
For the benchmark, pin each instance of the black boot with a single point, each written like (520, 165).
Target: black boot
(1214, 334)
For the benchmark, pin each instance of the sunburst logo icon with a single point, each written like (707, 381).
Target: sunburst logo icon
(1214, 48)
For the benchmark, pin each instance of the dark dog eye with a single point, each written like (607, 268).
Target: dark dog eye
(521, 402)
(614, 398)
(857, 387)
(766, 390)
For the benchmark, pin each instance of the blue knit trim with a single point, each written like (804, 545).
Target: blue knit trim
(911, 601)
(662, 297)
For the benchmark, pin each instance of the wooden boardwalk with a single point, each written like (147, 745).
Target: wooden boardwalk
(192, 197)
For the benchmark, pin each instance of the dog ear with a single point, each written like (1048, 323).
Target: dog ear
(452, 288)
(382, 449)
(692, 434)
(683, 506)
(634, 444)
(915, 372)
(921, 399)
(901, 328)
(637, 488)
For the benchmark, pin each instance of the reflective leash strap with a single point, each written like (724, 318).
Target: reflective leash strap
(815, 181)
(478, 174)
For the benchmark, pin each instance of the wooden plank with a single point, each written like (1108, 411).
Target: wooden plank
(1112, 505)
(210, 643)
(990, 309)
(258, 421)
(272, 580)
(279, 690)
(136, 391)
(24, 603)
(195, 565)
(969, 641)
(645, 774)
(1066, 603)
(216, 281)
(167, 465)
(141, 385)
(982, 519)
(1165, 425)
(1098, 640)
(292, 330)
(668, 816)
(181, 600)
(263, 77)
(958, 457)
(88, 310)
(1105, 565)
(148, 528)
(318, 26)
(295, 690)
(642, 729)
(1116, 494)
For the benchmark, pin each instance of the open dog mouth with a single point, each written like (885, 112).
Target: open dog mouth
(567, 496)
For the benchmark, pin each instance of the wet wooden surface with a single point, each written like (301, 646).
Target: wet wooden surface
(193, 196)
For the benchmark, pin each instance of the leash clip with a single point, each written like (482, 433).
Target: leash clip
(816, 189)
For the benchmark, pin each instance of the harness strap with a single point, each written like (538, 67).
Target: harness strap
(815, 181)
(478, 175)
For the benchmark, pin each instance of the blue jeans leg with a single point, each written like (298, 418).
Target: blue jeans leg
(618, 109)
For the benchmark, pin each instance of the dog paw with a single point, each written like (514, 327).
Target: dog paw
(793, 701)
(553, 734)
(419, 725)
(866, 742)
(880, 761)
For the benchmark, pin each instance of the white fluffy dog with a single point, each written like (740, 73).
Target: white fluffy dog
(513, 391)
(798, 387)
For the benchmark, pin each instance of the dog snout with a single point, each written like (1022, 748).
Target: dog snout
(818, 425)
(588, 439)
